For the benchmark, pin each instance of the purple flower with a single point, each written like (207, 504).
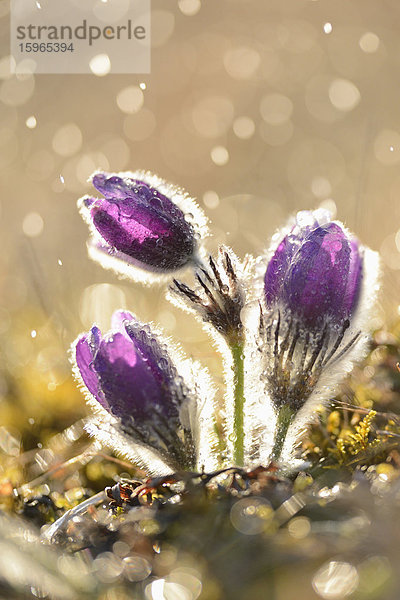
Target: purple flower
(319, 291)
(140, 223)
(129, 374)
(316, 272)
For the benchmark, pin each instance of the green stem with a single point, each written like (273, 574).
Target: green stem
(238, 386)
(285, 418)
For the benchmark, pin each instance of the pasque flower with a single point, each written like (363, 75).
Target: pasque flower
(318, 288)
(142, 222)
(136, 391)
(312, 308)
(315, 273)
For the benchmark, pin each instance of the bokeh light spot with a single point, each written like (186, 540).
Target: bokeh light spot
(369, 42)
(211, 199)
(241, 62)
(189, 7)
(67, 140)
(33, 224)
(100, 65)
(220, 155)
(31, 122)
(244, 127)
(344, 95)
(335, 580)
(130, 99)
(276, 109)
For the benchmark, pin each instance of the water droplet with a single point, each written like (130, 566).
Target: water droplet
(328, 28)
(60, 262)
(33, 333)
(163, 363)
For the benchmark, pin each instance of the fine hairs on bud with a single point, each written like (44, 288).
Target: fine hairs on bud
(119, 192)
(336, 371)
(305, 355)
(195, 413)
(259, 413)
(217, 302)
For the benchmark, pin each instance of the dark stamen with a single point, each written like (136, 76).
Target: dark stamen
(339, 339)
(345, 349)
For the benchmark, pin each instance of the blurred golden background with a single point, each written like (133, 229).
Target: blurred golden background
(258, 109)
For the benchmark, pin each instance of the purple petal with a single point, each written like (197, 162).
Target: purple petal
(84, 359)
(140, 222)
(118, 318)
(277, 270)
(144, 234)
(110, 186)
(126, 380)
(354, 279)
(316, 273)
(155, 356)
(316, 280)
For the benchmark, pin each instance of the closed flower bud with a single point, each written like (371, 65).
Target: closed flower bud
(315, 273)
(142, 222)
(141, 402)
(319, 290)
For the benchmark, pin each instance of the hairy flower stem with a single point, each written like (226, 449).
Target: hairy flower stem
(236, 348)
(285, 418)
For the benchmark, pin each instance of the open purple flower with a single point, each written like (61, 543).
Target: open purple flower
(315, 273)
(142, 222)
(129, 373)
